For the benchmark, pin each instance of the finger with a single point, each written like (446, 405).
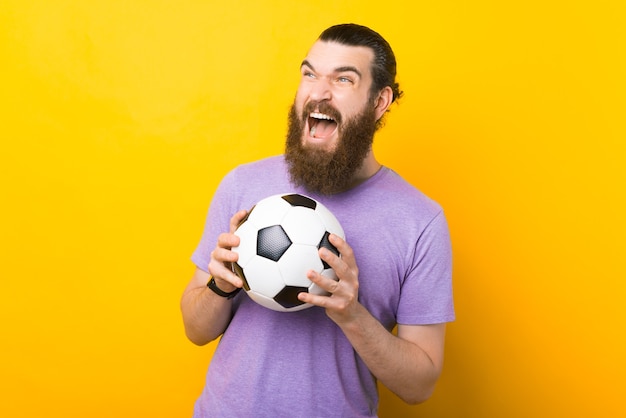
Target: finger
(224, 255)
(227, 241)
(342, 246)
(323, 283)
(222, 273)
(237, 219)
(327, 284)
(344, 267)
(329, 257)
(317, 300)
(336, 301)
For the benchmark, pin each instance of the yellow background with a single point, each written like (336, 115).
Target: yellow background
(118, 118)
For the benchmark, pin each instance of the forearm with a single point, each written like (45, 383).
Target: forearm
(403, 366)
(410, 363)
(205, 314)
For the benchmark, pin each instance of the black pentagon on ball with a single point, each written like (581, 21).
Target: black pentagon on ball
(299, 200)
(288, 296)
(272, 242)
(325, 243)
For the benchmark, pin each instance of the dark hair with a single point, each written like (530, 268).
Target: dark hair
(384, 65)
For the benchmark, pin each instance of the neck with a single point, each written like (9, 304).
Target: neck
(368, 169)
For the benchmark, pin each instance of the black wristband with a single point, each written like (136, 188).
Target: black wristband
(228, 295)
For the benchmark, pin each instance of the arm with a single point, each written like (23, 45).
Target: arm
(206, 314)
(410, 363)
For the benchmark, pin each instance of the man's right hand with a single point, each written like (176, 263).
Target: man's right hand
(222, 256)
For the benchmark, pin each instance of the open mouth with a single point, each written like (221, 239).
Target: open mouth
(321, 125)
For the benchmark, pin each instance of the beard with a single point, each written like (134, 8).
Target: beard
(329, 172)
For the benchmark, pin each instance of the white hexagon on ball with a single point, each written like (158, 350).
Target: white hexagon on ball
(303, 226)
(296, 262)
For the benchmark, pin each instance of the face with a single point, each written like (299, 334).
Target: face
(333, 119)
(334, 86)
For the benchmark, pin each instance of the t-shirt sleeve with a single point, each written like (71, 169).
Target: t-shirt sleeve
(426, 294)
(217, 221)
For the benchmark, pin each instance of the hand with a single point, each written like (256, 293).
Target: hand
(343, 303)
(222, 257)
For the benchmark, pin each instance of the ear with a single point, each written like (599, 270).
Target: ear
(385, 98)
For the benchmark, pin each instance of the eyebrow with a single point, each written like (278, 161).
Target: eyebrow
(343, 69)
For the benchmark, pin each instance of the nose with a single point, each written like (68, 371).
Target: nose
(320, 90)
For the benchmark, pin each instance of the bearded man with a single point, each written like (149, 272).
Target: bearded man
(394, 268)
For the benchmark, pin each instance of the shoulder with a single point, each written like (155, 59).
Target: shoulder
(393, 190)
(250, 182)
(276, 162)
(386, 205)
(250, 173)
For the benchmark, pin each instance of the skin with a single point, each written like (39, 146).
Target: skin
(341, 76)
(409, 362)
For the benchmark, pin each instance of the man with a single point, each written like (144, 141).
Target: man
(394, 267)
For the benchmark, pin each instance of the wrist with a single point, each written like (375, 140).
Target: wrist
(227, 292)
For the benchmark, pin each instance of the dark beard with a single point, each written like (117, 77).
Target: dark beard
(329, 172)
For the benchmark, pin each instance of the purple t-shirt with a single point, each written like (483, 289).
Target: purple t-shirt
(300, 364)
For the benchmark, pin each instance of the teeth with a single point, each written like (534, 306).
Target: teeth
(320, 116)
(312, 133)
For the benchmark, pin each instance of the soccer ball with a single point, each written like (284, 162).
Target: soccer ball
(279, 242)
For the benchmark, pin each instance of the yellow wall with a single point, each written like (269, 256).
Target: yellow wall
(118, 118)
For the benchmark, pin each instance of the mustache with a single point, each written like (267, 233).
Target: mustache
(321, 107)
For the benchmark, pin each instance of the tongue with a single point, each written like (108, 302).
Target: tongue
(323, 128)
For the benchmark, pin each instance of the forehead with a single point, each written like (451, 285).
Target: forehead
(328, 57)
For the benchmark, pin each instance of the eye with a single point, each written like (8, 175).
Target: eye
(307, 74)
(344, 79)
